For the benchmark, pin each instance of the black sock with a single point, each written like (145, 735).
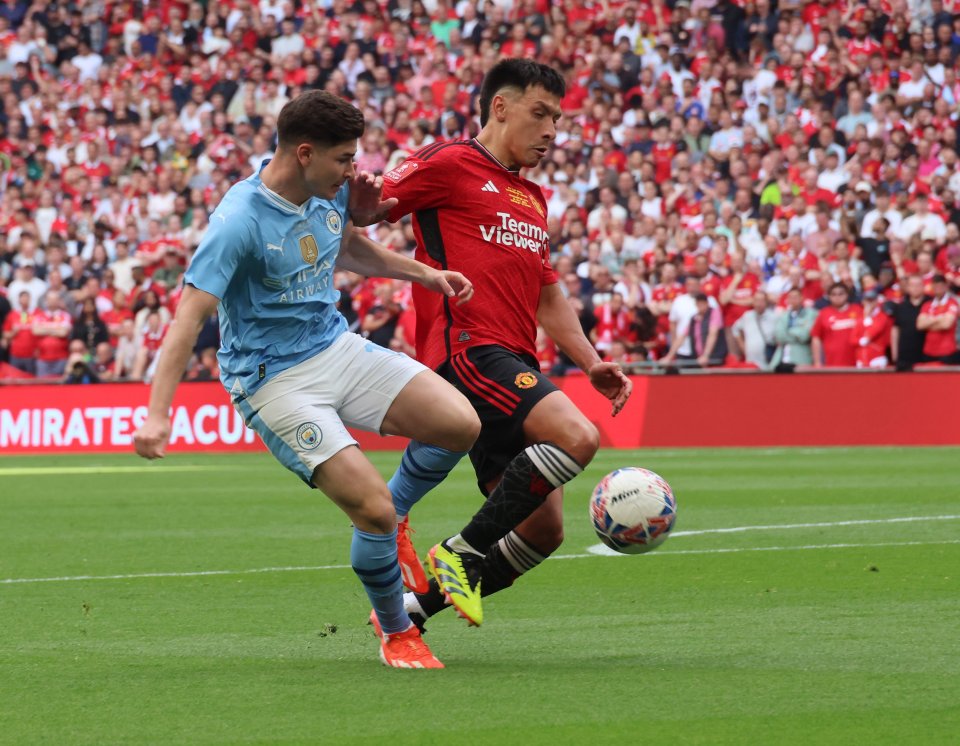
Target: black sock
(506, 561)
(528, 479)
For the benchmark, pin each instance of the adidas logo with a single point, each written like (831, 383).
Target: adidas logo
(490, 187)
(464, 337)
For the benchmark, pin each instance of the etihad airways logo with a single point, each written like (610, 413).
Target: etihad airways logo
(512, 232)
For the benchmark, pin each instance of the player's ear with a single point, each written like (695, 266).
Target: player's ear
(498, 107)
(304, 153)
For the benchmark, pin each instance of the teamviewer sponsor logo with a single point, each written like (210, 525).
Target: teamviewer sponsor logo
(512, 232)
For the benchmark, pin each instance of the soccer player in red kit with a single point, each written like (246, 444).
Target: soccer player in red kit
(473, 211)
(832, 338)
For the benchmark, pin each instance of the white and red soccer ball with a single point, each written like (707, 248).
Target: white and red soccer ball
(633, 510)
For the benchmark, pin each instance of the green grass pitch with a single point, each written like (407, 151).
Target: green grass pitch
(206, 599)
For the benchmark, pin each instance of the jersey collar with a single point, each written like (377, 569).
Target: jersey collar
(284, 204)
(479, 146)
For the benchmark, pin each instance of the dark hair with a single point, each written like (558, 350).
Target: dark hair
(519, 74)
(839, 286)
(318, 117)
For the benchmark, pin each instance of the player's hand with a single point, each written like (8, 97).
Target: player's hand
(366, 207)
(451, 284)
(610, 380)
(151, 438)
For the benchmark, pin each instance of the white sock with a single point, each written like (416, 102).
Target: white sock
(411, 605)
(457, 544)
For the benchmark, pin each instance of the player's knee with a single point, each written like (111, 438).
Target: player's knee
(376, 513)
(580, 439)
(465, 427)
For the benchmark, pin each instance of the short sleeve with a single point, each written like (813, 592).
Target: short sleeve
(227, 242)
(418, 185)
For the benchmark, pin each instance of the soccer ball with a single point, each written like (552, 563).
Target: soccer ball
(633, 510)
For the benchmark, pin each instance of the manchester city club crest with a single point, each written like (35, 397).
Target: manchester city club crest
(334, 222)
(309, 436)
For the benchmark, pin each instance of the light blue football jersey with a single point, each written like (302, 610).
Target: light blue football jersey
(270, 263)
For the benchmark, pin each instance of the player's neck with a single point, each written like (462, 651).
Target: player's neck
(497, 148)
(283, 180)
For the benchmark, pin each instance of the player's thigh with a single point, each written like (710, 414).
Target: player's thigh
(503, 388)
(387, 392)
(430, 410)
(356, 487)
(556, 419)
(300, 429)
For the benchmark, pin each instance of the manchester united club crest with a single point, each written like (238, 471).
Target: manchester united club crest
(308, 249)
(525, 381)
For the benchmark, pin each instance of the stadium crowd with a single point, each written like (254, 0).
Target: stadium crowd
(744, 183)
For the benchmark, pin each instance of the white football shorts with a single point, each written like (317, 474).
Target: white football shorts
(302, 414)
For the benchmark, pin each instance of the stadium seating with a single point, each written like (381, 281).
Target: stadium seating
(753, 145)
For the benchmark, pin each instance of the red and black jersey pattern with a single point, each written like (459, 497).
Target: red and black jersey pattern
(473, 215)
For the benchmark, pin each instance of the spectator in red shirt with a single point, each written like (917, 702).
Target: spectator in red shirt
(832, 338)
(736, 296)
(613, 322)
(51, 327)
(873, 332)
(18, 337)
(938, 318)
(154, 330)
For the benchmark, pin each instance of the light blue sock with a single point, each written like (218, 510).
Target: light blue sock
(421, 469)
(374, 560)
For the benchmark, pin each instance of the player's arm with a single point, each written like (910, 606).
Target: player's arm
(944, 323)
(727, 294)
(563, 327)
(894, 343)
(781, 331)
(816, 349)
(802, 330)
(194, 308)
(712, 333)
(365, 257)
(924, 321)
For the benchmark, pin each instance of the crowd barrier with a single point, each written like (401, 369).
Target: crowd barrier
(803, 409)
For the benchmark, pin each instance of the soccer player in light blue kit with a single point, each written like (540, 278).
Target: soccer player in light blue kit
(291, 367)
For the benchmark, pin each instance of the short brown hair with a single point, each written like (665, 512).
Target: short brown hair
(318, 117)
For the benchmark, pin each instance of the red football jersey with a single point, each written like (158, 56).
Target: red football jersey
(940, 343)
(473, 215)
(837, 330)
(22, 342)
(50, 347)
(873, 336)
(746, 288)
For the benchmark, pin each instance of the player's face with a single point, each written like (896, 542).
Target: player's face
(326, 168)
(531, 125)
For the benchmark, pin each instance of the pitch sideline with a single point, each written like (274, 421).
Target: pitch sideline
(597, 550)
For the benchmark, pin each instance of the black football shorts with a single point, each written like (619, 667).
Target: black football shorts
(503, 387)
